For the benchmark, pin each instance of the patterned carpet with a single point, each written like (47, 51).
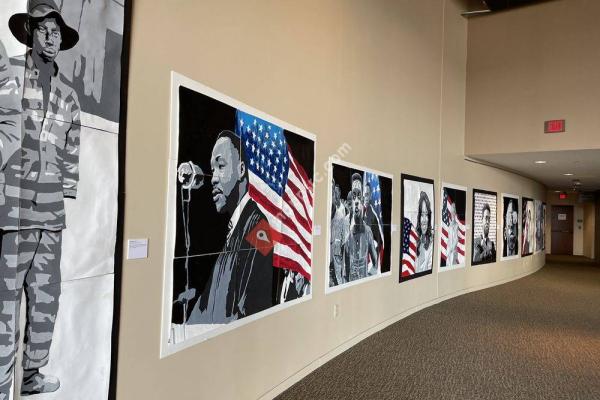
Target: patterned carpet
(534, 338)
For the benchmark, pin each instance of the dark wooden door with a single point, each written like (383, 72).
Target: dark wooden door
(562, 230)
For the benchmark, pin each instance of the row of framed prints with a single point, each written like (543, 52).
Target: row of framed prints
(240, 216)
(360, 226)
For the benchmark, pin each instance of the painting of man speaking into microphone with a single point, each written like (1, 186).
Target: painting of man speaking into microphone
(243, 214)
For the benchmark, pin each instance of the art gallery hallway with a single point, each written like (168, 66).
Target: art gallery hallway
(534, 338)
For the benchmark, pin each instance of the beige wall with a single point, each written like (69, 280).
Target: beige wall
(530, 65)
(386, 77)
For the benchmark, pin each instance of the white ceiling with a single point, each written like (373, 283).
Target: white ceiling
(583, 164)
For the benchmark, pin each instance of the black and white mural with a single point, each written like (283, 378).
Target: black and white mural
(510, 226)
(540, 225)
(240, 217)
(60, 88)
(453, 228)
(484, 227)
(528, 227)
(359, 224)
(418, 222)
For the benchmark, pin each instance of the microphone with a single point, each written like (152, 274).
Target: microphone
(190, 176)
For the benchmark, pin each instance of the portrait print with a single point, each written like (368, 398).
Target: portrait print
(540, 219)
(528, 227)
(241, 203)
(484, 227)
(60, 108)
(359, 225)
(510, 226)
(452, 228)
(418, 222)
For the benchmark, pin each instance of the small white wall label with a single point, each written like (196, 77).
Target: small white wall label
(137, 248)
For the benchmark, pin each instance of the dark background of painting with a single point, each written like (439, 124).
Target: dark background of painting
(201, 119)
(505, 201)
(342, 176)
(459, 198)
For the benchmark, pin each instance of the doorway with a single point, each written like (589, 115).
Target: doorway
(562, 230)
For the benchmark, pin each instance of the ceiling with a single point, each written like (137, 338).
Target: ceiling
(583, 164)
(479, 7)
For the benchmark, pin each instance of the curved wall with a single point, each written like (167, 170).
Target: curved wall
(386, 78)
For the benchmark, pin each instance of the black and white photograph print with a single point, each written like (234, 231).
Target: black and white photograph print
(453, 227)
(484, 242)
(528, 227)
(510, 226)
(240, 215)
(540, 219)
(543, 238)
(418, 224)
(60, 113)
(359, 230)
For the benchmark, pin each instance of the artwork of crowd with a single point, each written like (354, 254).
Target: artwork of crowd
(240, 219)
(60, 90)
(359, 225)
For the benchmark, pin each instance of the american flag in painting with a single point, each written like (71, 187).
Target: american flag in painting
(373, 181)
(282, 190)
(409, 247)
(447, 217)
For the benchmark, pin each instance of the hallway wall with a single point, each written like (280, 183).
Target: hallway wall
(387, 78)
(530, 65)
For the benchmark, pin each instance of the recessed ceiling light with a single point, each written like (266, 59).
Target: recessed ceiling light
(540, 162)
(557, 191)
(568, 174)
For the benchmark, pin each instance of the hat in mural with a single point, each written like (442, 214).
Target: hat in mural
(39, 10)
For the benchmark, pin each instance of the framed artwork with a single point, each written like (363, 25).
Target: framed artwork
(510, 226)
(418, 222)
(540, 222)
(544, 226)
(240, 215)
(528, 227)
(62, 78)
(484, 227)
(359, 231)
(453, 227)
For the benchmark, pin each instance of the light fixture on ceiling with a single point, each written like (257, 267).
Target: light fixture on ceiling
(540, 162)
(568, 174)
(576, 182)
(557, 191)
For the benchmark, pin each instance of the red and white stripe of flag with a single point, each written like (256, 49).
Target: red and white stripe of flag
(409, 259)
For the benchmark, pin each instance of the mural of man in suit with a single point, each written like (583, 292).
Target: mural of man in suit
(243, 280)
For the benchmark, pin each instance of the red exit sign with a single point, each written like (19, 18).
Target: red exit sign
(563, 196)
(554, 126)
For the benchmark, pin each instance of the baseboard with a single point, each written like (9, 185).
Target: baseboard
(302, 373)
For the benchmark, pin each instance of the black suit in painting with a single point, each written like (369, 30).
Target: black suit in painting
(243, 281)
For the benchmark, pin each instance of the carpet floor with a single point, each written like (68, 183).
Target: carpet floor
(534, 338)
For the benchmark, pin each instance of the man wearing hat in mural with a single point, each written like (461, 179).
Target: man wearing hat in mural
(34, 182)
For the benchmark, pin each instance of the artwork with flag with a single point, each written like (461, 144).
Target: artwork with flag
(241, 202)
(418, 222)
(359, 224)
(510, 226)
(452, 228)
(484, 242)
(527, 227)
